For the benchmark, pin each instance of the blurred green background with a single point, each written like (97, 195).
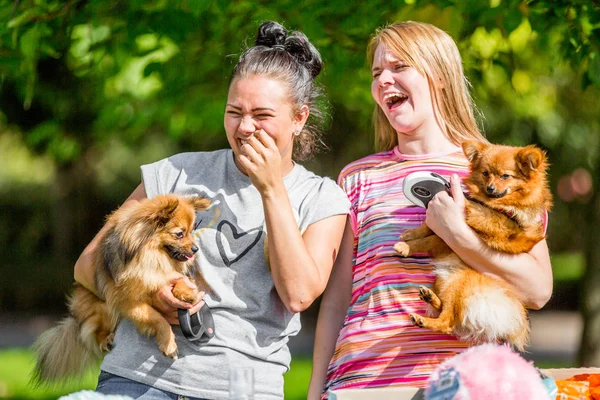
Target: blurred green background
(90, 90)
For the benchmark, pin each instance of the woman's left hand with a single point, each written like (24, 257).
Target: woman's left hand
(445, 213)
(261, 160)
(167, 304)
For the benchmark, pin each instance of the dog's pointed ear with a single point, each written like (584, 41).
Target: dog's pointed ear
(530, 158)
(199, 203)
(473, 149)
(166, 210)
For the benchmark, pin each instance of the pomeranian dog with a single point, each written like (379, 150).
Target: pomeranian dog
(146, 246)
(506, 205)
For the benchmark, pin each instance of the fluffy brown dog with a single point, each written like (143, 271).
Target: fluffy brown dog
(145, 247)
(508, 198)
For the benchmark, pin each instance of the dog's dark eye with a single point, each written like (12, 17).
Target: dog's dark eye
(505, 176)
(179, 235)
(486, 174)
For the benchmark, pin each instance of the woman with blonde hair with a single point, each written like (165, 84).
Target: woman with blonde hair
(423, 113)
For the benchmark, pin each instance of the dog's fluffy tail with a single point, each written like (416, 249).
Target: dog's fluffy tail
(62, 354)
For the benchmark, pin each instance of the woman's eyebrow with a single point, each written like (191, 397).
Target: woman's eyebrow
(253, 110)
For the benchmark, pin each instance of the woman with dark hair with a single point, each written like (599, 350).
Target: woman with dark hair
(264, 204)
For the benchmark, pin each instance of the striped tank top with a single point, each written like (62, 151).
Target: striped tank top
(378, 345)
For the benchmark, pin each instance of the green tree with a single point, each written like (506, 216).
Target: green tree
(81, 78)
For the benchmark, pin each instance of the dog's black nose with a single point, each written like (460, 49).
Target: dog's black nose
(194, 249)
(491, 189)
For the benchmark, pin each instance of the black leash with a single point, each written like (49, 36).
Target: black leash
(196, 326)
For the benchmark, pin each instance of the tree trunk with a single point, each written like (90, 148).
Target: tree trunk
(589, 352)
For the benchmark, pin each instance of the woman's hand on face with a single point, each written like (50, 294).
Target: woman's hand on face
(261, 160)
(445, 213)
(167, 304)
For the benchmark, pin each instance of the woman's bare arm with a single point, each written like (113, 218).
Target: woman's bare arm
(334, 306)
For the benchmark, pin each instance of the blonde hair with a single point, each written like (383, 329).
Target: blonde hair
(433, 53)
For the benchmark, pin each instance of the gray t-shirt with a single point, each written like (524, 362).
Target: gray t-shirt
(252, 325)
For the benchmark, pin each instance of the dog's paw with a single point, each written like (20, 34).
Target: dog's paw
(402, 248)
(172, 355)
(409, 234)
(107, 344)
(425, 294)
(184, 293)
(416, 320)
(170, 350)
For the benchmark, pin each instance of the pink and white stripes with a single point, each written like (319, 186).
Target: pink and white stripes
(378, 345)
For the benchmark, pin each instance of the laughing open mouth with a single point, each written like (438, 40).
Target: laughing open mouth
(394, 99)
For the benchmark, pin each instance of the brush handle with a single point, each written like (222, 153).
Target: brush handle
(195, 326)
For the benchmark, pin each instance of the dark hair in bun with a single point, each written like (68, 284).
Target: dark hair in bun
(274, 35)
(290, 58)
(270, 33)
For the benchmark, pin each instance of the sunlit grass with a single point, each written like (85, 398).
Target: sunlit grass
(296, 380)
(15, 370)
(16, 366)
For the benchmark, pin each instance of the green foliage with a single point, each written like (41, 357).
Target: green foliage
(87, 71)
(99, 87)
(568, 267)
(95, 88)
(297, 378)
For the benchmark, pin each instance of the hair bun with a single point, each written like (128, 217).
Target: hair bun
(273, 35)
(270, 33)
(302, 49)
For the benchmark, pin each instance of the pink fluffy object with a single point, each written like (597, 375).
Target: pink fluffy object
(485, 372)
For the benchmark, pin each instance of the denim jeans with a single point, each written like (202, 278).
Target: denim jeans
(113, 384)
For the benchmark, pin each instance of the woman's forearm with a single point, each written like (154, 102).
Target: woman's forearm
(529, 273)
(84, 269)
(300, 264)
(334, 306)
(330, 321)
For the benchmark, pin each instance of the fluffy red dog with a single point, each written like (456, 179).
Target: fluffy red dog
(508, 199)
(145, 247)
